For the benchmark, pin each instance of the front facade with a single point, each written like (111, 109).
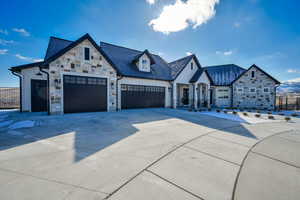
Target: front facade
(81, 76)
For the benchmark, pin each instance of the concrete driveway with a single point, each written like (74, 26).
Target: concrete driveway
(148, 154)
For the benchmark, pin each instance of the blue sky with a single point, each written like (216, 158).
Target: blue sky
(244, 32)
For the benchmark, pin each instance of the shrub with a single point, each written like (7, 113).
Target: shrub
(245, 114)
(271, 117)
(269, 113)
(218, 110)
(225, 111)
(258, 111)
(234, 112)
(287, 118)
(282, 114)
(209, 109)
(295, 115)
(257, 115)
(241, 110)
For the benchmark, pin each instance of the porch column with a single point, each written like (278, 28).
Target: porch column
(200, 95)
(208, 96)
(191, 95)
(174, 97)
(195, 96)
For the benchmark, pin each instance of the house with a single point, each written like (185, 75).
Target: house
(82, 76)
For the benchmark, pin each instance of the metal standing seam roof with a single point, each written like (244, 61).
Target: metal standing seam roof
(55, 45)
(223, 75)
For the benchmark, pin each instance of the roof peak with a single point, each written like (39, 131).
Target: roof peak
(182, 58)
(57, 38)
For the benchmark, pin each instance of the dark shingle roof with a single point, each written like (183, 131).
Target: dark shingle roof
(123, 57)
(178, 65)
(19, 67)
(223, 75)
(55, 45)
(197, 75)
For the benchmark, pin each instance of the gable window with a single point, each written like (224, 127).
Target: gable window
(252, 90)
(144, 63)
(86, 53)
(192, 66)
(253, 74)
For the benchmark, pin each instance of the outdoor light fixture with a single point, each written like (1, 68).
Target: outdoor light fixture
(39, 74)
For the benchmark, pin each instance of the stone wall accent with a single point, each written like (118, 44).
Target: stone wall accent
(73, 63)
(243, 97)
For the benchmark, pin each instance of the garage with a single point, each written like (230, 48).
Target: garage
(140, 96)
(84, 94)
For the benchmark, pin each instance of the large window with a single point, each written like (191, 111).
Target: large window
(253, 74)
(192, 66)
(86, 53)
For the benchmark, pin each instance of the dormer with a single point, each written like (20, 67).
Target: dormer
(144, 61)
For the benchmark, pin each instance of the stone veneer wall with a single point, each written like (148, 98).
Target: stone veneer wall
(73, 63)
(259, 99)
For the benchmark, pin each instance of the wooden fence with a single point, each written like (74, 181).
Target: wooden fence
(9, 97)
(288, 102)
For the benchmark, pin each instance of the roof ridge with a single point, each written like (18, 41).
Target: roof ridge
(225, 65)
(140, 51)
(181, 59)
(61, 39)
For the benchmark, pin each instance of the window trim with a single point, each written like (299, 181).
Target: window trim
(84, 57)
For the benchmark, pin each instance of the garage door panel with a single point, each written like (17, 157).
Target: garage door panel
(84, 94)
(137, 96)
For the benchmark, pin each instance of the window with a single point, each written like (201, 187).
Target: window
(252, 90)
(86, 53)
(253, 74)
(192, 66)
(266, 90)
(222, 90)
(144, 63)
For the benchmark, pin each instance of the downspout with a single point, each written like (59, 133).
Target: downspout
(20, 83)
(48, 89)
(117, 93)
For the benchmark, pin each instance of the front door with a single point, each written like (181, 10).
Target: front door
(38, 95)
(185, 96)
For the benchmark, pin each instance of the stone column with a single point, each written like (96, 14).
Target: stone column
(195, 96)
(191, 95)
(208, 96)
(174, 97)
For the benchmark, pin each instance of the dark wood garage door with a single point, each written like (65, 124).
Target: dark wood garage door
(38, 95)
(139, 96)
(84, 94)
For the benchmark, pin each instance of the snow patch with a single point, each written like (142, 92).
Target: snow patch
(22, 124)
(243, 119)
(6, 123)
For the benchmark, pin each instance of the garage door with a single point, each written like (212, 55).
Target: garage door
(139, 96)
(84, 94)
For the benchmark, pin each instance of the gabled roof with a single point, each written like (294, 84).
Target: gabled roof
(55, 45)
(224, 75)
(178, 65)
(197, 75)
(136, 59)
(275, 80)
(122, 58)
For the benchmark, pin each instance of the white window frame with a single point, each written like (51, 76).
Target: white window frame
(251, 89)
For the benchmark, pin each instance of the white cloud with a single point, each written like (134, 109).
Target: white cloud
(180, 15)
(6, 42)
(3, 51)
(28, 58)
(22, 31)
(4, 31)
(237, 24)
(225, 53)
(151, 1)
(293, 80)
(189, 53)
(293, 71)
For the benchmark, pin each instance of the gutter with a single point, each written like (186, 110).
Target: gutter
(117, 93)
(48, 89)
(20, 83)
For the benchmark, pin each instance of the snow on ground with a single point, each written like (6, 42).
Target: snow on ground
(6, 123)
(22, 124)
(243, 119)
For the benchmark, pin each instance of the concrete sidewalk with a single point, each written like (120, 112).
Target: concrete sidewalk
(142, 154)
